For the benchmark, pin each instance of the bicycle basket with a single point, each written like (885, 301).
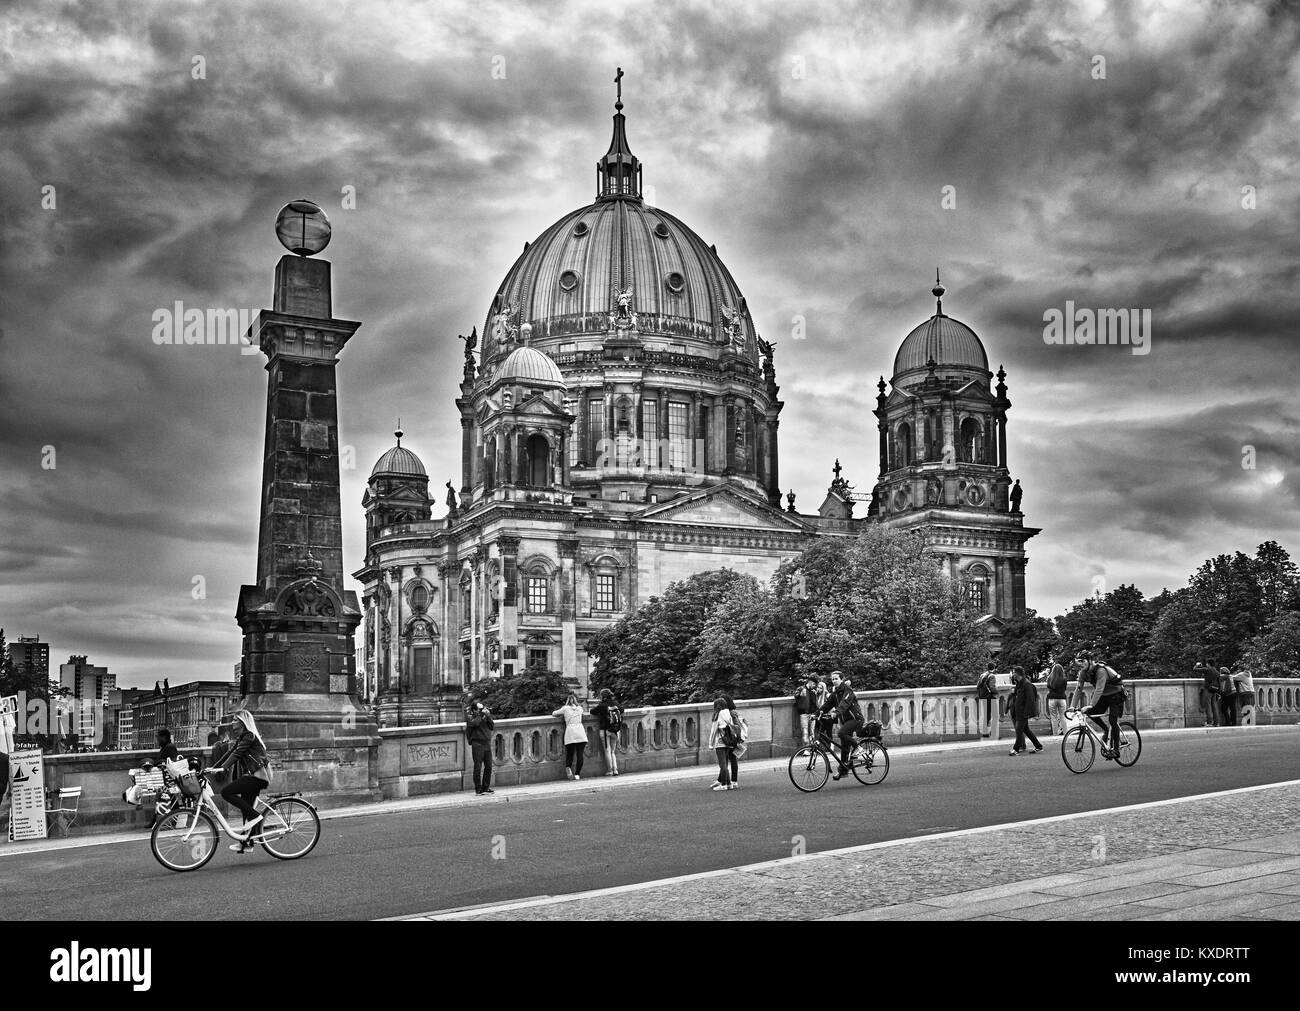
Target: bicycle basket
(873, 730)
(189, 784)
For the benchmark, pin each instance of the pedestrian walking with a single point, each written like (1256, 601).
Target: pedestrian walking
(478, 731)
(807, 704)
(1024, 706)
(575, 736)
(724, 736)
(609, 721)
(1227, 697)
(1057, 683)
(986, 699)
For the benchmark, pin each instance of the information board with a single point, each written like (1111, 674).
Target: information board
(27, 790)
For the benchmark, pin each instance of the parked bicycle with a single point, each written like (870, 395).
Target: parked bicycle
(810, 766)
(186, 838)
(1080, 743)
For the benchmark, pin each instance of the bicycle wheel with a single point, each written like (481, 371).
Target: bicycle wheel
(809, 769)
(1130, 745)
(184, 839)
(290, 829)
(1078, 750)
(870, 762)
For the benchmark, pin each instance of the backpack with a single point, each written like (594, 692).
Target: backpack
(614, 718)
(986, 687)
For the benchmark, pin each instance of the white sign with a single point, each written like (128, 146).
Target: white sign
(27, 788)
(8, 722)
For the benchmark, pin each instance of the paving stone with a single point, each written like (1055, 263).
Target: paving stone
(1215, 909)
(1120, 883)
(1288, 842)
(903, 912)
(1103, 904)
(1010, 888)
(1216, 857)
(1291, 911)
(1257, 869)
(970, 910)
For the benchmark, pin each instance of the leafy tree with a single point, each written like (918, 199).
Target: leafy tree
(535, 692)
(1118, 624)
(748, 647)
(1027, 641)
(647, 656)
(892, 618)
(1276, 653)
(1174, 646)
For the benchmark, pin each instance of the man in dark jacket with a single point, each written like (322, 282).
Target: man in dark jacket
(478, 730)
(843, 701)
(1024, 704)
(1209, 692)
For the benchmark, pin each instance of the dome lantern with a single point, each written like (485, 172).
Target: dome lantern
(618, 173)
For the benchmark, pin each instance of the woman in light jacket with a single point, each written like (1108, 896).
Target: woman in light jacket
(728, 771)
(575, 736)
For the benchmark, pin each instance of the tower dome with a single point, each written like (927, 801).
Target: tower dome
(399, 462)
(948, 342)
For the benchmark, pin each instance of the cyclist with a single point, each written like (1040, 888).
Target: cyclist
(844, 704)
(251, 771)
(1107, 699)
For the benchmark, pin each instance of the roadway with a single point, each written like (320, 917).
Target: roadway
(573, 839)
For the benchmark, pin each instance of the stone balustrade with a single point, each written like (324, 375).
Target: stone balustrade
(435, 759)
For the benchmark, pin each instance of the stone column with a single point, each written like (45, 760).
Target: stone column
(508, 546)
(568, 606)
(298, 621)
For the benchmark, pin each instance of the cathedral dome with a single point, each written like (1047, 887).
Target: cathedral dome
(529, 366)
(949, 342)
(399, 462)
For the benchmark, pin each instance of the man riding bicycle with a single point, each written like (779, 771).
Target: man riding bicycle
(1107, 698)
(843, 703)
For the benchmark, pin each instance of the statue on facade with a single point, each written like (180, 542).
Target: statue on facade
(933, 491)
(451, 499)
(732, 327)
(622, 317)
(1016, 495)
(503, 331)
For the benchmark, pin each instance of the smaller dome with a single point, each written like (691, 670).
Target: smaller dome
(399, 462)
(948, 341)
(529, 366)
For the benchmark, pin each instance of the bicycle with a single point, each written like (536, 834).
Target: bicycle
(810, 766)
(186, 838)
(1079, 744)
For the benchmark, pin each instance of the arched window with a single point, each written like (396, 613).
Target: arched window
(539, 459)
(904, 445)
(977, 587)
(971, 443)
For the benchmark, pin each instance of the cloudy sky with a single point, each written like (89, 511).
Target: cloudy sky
(812, 142)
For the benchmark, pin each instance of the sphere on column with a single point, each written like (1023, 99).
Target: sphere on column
(302, 227)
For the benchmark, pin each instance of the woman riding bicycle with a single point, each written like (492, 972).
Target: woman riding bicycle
(844, 703)
(251, 771)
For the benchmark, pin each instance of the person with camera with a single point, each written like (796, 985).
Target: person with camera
(478, 731)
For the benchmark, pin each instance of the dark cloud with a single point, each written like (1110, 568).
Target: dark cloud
(810, 142)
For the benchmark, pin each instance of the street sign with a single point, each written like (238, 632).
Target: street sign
(27, 789)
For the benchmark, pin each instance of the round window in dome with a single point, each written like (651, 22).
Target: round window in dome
(661, 230)
(568, 281)
(675, 282)
(581, 228)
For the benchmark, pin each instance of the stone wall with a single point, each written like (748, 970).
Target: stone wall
(422, 760)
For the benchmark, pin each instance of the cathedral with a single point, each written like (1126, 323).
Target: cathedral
(619, 431)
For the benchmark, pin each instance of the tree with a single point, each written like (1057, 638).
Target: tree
(748, 647)
(891, 617)
(1118, 624)
(1276, 653)
(646, 657)
(535, 692)
(1027, 641)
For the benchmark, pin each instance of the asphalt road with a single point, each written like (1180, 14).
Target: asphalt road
(394, 864)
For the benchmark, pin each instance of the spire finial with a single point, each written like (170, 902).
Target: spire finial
(937, 291)
(618, 79)
(399, 433)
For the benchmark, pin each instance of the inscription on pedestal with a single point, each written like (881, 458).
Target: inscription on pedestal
(308, 668)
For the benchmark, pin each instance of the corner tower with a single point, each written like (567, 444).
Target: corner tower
(943, 462)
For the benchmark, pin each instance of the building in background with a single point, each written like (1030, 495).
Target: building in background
(191, 712)
(29, 650)
(83, 707)
(119, 719)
